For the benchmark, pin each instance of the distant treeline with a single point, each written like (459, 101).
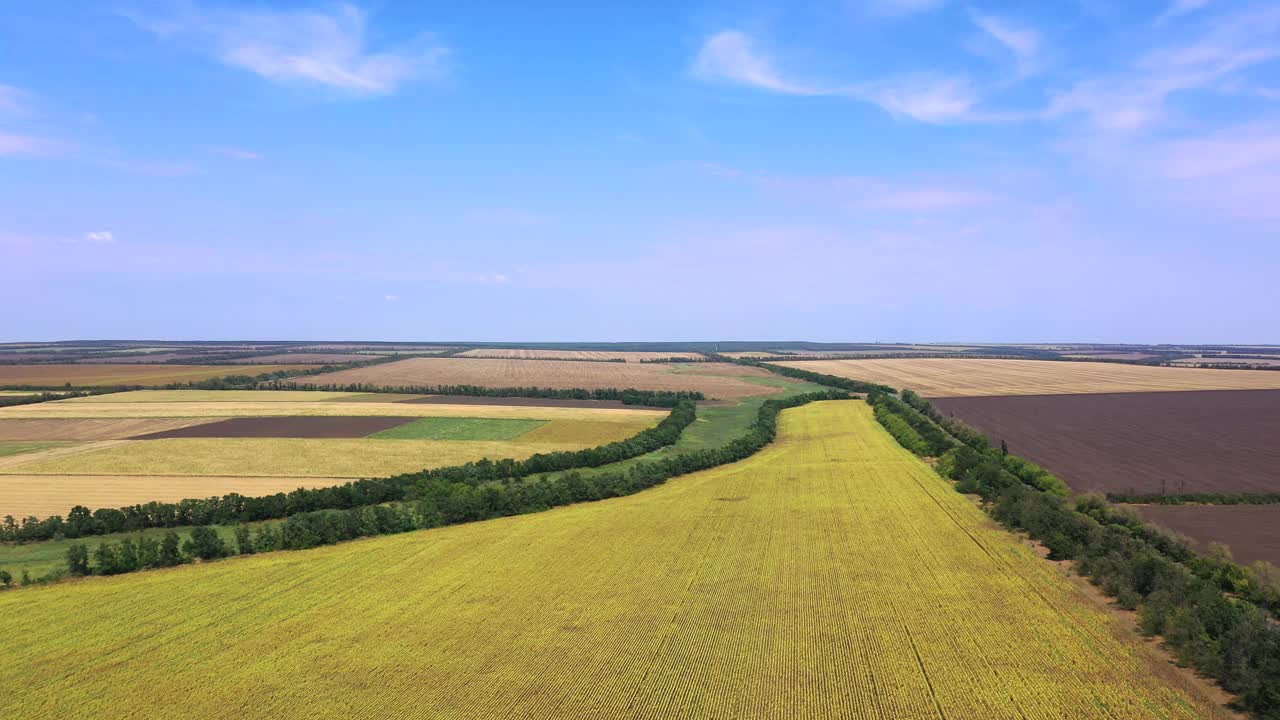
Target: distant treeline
(44, 396)
(513, 357)
(835, 381)
(628, 396)
(477, 491)
(1215, 614)
(233, 507)
(1195, 498)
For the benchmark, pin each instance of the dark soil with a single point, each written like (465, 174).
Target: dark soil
(1195, 441)
(1251, 531)
(285, 427)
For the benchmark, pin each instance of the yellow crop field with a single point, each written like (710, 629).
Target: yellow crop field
(942, 377)
(832, 575)
(89, 375)
(203, 409)
(168, 396)
(45, 495)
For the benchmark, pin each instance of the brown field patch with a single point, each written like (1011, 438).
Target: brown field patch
(715, 380)
(44, 495)
(134, 374)
(1251, 531)
(283, 427)
(1209, 441)
(528, 354)
(36, 429)
(941, 377)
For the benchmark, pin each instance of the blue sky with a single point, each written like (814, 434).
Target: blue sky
(858, 170)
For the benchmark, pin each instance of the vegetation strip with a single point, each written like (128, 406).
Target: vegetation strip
(238, 508)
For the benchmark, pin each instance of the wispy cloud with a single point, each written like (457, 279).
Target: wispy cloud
(14, 144)
(865, 193)
(732, 57)
(899, 8)
(1178, 8)
(1137, 98)
(321, 48)
(11, 99)
(1023, 43)
(236, 153)
(100, 237)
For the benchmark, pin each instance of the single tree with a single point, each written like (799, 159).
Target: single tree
(78, 560)
(6, 579)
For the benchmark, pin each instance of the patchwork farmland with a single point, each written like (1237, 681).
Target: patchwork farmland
(106, 450)
(527, 354)
(831, 575)
(961, 377)
(715, 380)
(92, 375)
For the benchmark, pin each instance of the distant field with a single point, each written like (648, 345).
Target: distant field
(9, 448)
(169, 396)
(715, 380)
(95, 375)
(45, 495)
(1211, 360)
(306, 358)
(446, 428)
(37, 429)
(577, 355)
(832, 575)
(1207, 441)
(217, 438)
(1252, 532)
(279, 457)
(941, 377)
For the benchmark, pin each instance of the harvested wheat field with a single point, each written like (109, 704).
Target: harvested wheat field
(46, 495)
(940, 377)
(105, 374)
(715, 380)
(526, 354)
(305, 358)
(833, 575)
(90, 428)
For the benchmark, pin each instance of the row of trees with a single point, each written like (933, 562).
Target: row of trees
(834, 381)
(1214, 613)
(233, 507)
(12, 400)
(439, 499)
(627, 396)
(1195, 498)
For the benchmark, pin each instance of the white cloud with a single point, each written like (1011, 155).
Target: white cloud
(925, 98)
(391, 298)
(237, 153)
(1229, 151)
(314, 47)
(1178, 8)
(11, 99)
(1022, 42)
(1138, 98)
(12, 144)
(731, 56)
(903, 7)
(100, 237)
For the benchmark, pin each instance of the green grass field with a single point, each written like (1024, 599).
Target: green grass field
(16, 447)
(455, 428)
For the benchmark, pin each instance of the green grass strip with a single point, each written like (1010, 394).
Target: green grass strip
(451, 428)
